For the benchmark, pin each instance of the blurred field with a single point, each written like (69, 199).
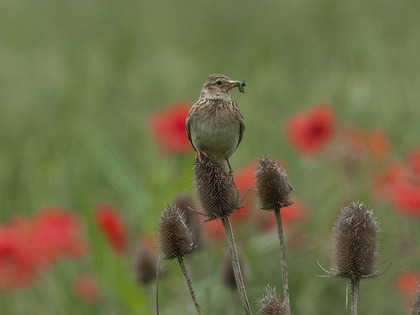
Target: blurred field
(80, 79)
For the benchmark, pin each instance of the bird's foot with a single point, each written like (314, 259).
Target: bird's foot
(230, 174)
(199, 155)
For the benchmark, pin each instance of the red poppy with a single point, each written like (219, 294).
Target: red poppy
(310, 130)
(168, 128)
(86, 288)
(405, 194)
(59, 233)
(400, 185)
(381, 182)
(112, 226)
(408, 281)
(19, 261)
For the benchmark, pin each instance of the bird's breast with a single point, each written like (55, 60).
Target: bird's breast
(216, 130)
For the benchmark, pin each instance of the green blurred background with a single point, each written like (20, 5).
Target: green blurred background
(80, 79)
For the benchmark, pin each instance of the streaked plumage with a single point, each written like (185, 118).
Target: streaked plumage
(215, 123)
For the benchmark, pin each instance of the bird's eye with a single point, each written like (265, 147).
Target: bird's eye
(219, 82)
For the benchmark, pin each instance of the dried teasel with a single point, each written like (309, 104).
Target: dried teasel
(271, 304)
(145, 265)
(214, 187)
(228, 275)
(175, 240)
(186, 204)
(272, 185)
(275, 192)
(415, 305)
(355, 243)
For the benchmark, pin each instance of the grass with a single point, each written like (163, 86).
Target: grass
(80, 79)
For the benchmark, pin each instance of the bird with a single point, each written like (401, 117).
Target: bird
(214, 123)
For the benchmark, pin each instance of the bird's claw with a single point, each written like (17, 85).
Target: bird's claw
(199, 154)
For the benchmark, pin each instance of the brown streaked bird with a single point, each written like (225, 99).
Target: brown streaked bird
(214, 123)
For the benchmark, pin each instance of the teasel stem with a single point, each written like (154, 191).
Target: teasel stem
(354, 295)
(189, 284)
(235, 264)
(157, 284)
(283, 261)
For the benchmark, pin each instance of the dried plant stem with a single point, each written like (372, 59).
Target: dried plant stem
(150, 295)
(354, 295)
(157, 284)
(189, 283)
(283, 262)
(235, 265)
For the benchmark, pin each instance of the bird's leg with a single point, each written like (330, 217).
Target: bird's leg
(199, 153)
(230, 169)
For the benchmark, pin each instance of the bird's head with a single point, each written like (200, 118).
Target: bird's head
(217, 86)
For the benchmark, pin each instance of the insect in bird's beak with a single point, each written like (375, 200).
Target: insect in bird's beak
(240, 86)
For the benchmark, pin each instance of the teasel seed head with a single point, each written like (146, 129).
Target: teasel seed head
(228, 275)
(145, 265)
(355, 243)
(186, 204)
(214, 187)
(272, 185)
(415, 305)
(271, 304)
(175, 240)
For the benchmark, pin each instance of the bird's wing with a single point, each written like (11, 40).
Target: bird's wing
(187, 127)
(241, 125)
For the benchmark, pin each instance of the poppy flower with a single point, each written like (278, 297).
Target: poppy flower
(381, 182)
(400, 185)
(405, 194)
(309, 131)
(86, 288)
(408, 281)
(112, 225)
(19, 263)
(59, 233)
(167, 126)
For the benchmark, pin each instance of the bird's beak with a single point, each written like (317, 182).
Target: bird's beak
(232, 84)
